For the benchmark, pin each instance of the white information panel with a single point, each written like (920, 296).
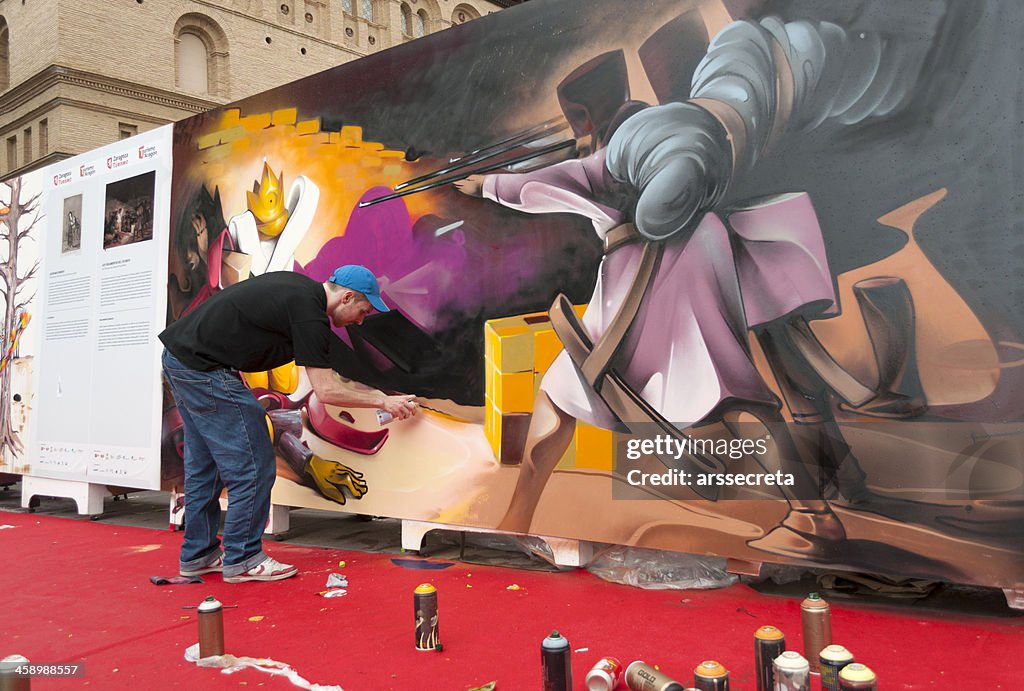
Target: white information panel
(102, 304)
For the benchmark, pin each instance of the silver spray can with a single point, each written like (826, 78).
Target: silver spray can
(791, 672)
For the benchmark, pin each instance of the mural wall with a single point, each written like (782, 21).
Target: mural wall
(20, 218)
(721, 277)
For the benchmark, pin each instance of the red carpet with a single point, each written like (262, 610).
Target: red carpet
(80, 591)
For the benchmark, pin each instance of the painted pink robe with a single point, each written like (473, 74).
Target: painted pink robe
(687, 351)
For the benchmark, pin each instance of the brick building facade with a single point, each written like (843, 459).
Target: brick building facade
(78, 74)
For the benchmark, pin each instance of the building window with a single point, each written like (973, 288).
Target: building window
(27, 143)
(347, 6)
(406, 20)
(420, 24)
(193, 63)
(44, 137)
(200, 55)
(5, 55)
(368, 10)
(12, 153)
(125, 130)
(463, 14)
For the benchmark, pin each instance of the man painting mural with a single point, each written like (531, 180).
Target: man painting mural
(257, 324)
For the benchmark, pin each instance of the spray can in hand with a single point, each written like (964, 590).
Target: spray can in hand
(211, 627)
(556, 663)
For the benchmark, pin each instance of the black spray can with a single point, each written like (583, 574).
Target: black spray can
(769, 643)
(710, 675)
(556, 663)
(428, 636)
(833, 659)
(211, 627)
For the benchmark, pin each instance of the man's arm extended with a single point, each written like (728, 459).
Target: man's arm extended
(332, 389)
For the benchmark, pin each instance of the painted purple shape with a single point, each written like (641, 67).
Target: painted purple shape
(414, 267)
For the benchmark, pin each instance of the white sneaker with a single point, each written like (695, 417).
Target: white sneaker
(215, 566)
(269, 569)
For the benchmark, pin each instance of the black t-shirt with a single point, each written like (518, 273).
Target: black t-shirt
(255, 325)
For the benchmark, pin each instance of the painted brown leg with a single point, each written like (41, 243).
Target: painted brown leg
(888, 311)
(550, 432)
(810, 529)
(815, 433)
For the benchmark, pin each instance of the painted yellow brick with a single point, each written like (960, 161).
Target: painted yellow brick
(307, 127)
(351, 135)
(546, 347)
(495, 436)
(513, 392)
(207, 141)
(253, 123)
(232, 134)
(220, 152)
(509, 347)
(489, 372)
(595, 447)
(285, 116)
(230, 118)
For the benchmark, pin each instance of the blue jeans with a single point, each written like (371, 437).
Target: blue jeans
(226, 445)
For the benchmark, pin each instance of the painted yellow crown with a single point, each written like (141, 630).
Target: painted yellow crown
(266, 202)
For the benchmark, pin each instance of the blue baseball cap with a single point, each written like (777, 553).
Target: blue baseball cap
(359, 278)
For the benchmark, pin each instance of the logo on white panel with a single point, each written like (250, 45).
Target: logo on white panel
(86, 171)
(117, 161)
(62, 178)
(147, 151)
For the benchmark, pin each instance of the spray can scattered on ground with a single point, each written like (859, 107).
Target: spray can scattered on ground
(817, 624)
(642, 677)
(10, 679)
(710, 675)
(556, 663)
(857, 677)
(211, 627)
(605, 675)
(833, 659)
(791, 672)
(428, 636)
(769, 643)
